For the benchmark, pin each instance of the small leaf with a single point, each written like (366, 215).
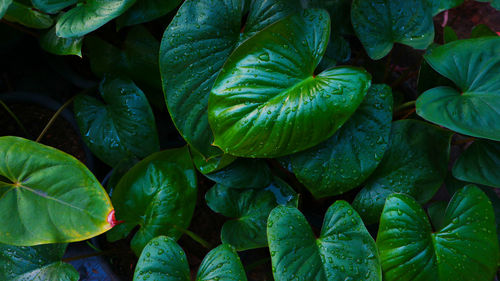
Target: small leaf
(465, 248)
(4, 5)
(47, 196)
(158, 194)
(449, 34)
(54, 44)
(480, 164)
(146, 10)
(122, 126)
(481, 30)
(249, 209)
(415, 163)
(345, 250)
(52, 6)
(473, 65)
(27, 16)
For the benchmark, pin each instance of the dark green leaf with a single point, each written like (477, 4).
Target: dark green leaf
(47, 196)
(380, 24)
(122, 126)
(243, 173)
(346, 159)
(194, 48)
(466, 248)
(267, 102)
(146, 10)
(481, 30)
(474, 66)
(27, 16)
(436, 212)
(4, 5)
(480, 164)
(52, 6)
(415, 163)
(158, 194)
(437, 6)
(449, 34)
(54, 44)
(249, 209)
(428, 78)
(210, 165)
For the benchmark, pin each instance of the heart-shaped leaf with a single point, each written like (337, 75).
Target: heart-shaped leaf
(122, 126)
(164, 260)
(249, 209)
(415, 163)
(474, 66)
(267, 102)
(27, 16)
(146, 10)
(4, 6)
(54, 44)
(347, 158)
(47, 196)
(465, 248)
(89, 16)
(344, 250)
(52, 6)
(37, 263)
(380, 24)
(480, 164)
(158, 194)
(243, 173)
(194, 48)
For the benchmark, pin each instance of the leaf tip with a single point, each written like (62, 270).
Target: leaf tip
(112, 219)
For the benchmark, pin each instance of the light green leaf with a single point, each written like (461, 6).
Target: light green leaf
(480, 164)
(122, 126)
(344, 250)
(40, 203)
(346, 159)
(158, 194)
(4, 5)
(54, 44)
(266, 102)
(146, 10)
(52, 6)
(27, 16)
(474, 66)
(465, 248)
(415, 163)
(249, 209)
(380, 24)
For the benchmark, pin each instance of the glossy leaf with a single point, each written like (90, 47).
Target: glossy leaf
(243, 173)
(52, 6)
(211, 165)
(4, 5)
(249, 209)
(465, 248)
(89, 16)
(158, 194)
(146, 10)
(437, 6)
(37, 263)
(27, 16)
(480, 164)
(266, 102)
(54, 44)
(415, 163)
(380, 24)
(474, 66)
(344, 250)
(121, 126)
(347, 158)
(189, 64)
(40, 203)
(164, 260)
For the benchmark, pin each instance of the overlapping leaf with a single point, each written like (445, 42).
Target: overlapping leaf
(243, 173)
(54, 44)
(4, 5)
(25, 15)
(146, 10)
(52, 6)
(480, 164)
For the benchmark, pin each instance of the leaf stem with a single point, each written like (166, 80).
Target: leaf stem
(93, 246)
(54, 117)
(195, 237)
(405, 105)
(13, 115)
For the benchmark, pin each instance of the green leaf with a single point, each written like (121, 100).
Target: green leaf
(415, 163)
(164, 260)
(482, 30)
(249, 209)
(122, 126)
(344, 250)
(479, 164)
(380, 24)
(47, 196)
(158, 194)
(466, 248)
(449, 34)
(4, 6)
(52, 6)
(38, 263)
(27, 16)
(210, 165)
(438, 6)
(243, 173)
(346, 159)
(436, 212)
(146, 10)
(474, 66)
(89, 16)
(54, 44)
(266, 102)
(194, 48)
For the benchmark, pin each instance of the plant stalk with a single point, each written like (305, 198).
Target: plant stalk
(54, 117)
(195, 237)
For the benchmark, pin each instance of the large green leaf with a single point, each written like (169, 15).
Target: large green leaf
(122, 126)
(344, 250)
(267, 102)
(52, 6)
(89, 16)
(415, 163)
(47, 196)
(243, 173)
(54, 44)
(164, 260)
(37, 263)
(27, 16)
(4, 5)
(480, 163)
(474, 66)
(379, 24)
(158, 194)
(146, 10)
(347, 158)
(194, 48)
(249, 209)
(465, 248)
